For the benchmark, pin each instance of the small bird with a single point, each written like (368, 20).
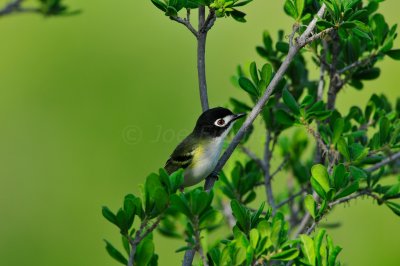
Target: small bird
(199, 152)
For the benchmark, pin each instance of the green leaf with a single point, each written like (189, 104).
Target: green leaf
(308, 100)
(290, 102)
(282, 47)
(392, 191)
(254, 237)
(339, 172)
(109, 215)
(253, 72)
(308, 249)
(211, 218)
(248, 86)
(343, 149)
(394, 54)
(317, 244)
(358, 173)
(199, 201)
(241, 215)
(337, 130)
(310, 205)
(286, 255)
(367, 74)
(317, 188)
(384, 130)
(160, 199)
(348, 25)
(115, 254)
(238, 15)
(160, 5)
(321, 175)
(176, 180)
(144, 252)
(284, 118)
(242, 3)
(290, 9)
(130, 208)
(299, 7)
(266, 72)
(395, 207)
(180, 204)
(347, 191)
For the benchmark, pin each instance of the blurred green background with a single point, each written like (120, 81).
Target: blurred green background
(90, 104)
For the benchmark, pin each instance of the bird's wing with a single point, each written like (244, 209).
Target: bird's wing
(182, 156)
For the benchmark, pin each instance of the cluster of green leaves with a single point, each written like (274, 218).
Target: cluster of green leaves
(259, 236)
(222, 8)
(226, 8)
(189, 215)
(356, 37)
(347, 137)
(159, 193)
(242, 182)
(364, 37)
(318, 252)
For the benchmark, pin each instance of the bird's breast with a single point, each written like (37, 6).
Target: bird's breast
(204, 161)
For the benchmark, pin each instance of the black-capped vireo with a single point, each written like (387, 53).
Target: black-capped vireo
(199, 152)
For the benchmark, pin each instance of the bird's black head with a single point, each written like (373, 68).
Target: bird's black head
(215, 121)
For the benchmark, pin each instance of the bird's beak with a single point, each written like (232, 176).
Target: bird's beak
(237, 116)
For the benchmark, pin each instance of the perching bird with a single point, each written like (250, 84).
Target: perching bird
(199, 152)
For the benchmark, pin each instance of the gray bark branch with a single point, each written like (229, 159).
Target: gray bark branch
(293, 50)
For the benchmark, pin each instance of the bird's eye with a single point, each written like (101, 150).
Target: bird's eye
(220, 122)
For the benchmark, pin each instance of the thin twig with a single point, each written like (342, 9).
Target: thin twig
(254, 157)
(186, 23)
(16, 7)
(267, 175)
(384, 162)
(293, 50)
(362, 62)
(290, 199)
(304, 222)
(280, 167)
(319, 35)
(227, 211)
(199, 248)
(140, 235)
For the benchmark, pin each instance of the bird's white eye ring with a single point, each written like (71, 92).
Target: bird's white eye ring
(220, 122)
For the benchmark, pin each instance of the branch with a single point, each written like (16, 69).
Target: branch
(303, 224)
(293, 50)
(188, 258)
(358, 63)
(254, 157)
(384, 162)
(209, 21)
(186, 22)
(139, 236)
(291, 198)
(318, 36)
(201, 58)
(15, 6)
(267, 175)
(280, 167)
